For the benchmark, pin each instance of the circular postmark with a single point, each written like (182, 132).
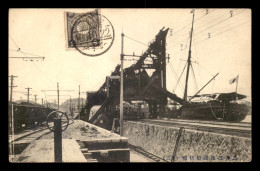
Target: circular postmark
(92, 34)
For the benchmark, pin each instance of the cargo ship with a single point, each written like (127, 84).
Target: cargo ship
(231, 107)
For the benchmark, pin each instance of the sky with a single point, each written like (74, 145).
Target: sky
(221, 44)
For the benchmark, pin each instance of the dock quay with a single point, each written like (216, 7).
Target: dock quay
(187, 143)
(81, 142)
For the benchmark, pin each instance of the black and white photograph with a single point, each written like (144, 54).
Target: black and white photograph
(129, 85)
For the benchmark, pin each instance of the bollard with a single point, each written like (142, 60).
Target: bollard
(57, 140)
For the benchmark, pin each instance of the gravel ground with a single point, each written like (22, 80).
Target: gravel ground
(80, 130)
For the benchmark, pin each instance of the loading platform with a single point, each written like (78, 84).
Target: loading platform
(43, 151)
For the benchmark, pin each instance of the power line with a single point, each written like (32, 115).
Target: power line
(194, 21)
(38, 68)
(136, 40)
(190, 24)
(188, 19)
(207, 28)
(213, 36)
(219, 23)
(223, 31)
(24, 52)
(19, 49)
(210, 33)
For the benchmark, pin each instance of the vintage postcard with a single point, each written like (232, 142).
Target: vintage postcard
(129, 85)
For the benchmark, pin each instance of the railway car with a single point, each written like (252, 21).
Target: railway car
(27, 115)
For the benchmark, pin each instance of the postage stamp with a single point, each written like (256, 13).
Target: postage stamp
(91, 33)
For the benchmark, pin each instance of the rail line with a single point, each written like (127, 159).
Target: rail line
(221, 129)
(146, 153)
(28, 134)
(240, 124)
(34, 135)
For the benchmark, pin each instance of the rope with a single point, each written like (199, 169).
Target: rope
(214, 113)
(180, 77)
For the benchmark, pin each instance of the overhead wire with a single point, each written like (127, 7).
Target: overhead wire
(180, 23)
(189, 25)
(136, 40)
(219, 22)
(37, 68)
(216, 29)
(207, 28)
(194, 21)
(222, 32)
(25, 52)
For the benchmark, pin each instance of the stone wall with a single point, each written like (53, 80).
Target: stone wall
(193, 146)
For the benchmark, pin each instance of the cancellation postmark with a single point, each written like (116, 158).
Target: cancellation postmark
(91, 33)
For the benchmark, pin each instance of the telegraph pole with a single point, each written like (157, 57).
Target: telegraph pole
(58, 95)
(79, 102)
(58, 90)
(79, 98)
(28, 94)
(35, 98)
(12, 115)
(121, 84)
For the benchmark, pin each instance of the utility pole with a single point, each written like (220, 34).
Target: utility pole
(79, 98)
(35, 98)
(121, 84)
(189, 62)
(79, 102)
(28, 94)
(12, 116)
(58, 90)
(58, 95)
(42, 101)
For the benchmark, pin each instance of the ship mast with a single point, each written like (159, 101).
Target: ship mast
(189, 61)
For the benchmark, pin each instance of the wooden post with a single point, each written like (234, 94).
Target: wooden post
(57, 140)
(58, 95)
(121, 85)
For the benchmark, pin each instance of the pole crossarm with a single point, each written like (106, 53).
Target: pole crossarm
(133, 56)
(31, 58)
(56, 90)
(59, 95)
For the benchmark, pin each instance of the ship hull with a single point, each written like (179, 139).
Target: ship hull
(215, 111)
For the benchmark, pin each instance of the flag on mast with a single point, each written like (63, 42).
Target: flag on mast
(233, 80)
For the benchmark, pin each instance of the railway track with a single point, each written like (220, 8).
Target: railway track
(146, 153)
(234, 130)
(29, 134)
(240, 124)
(33, 135)
(22, 140)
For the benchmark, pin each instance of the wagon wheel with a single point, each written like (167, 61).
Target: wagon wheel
(57, 114)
